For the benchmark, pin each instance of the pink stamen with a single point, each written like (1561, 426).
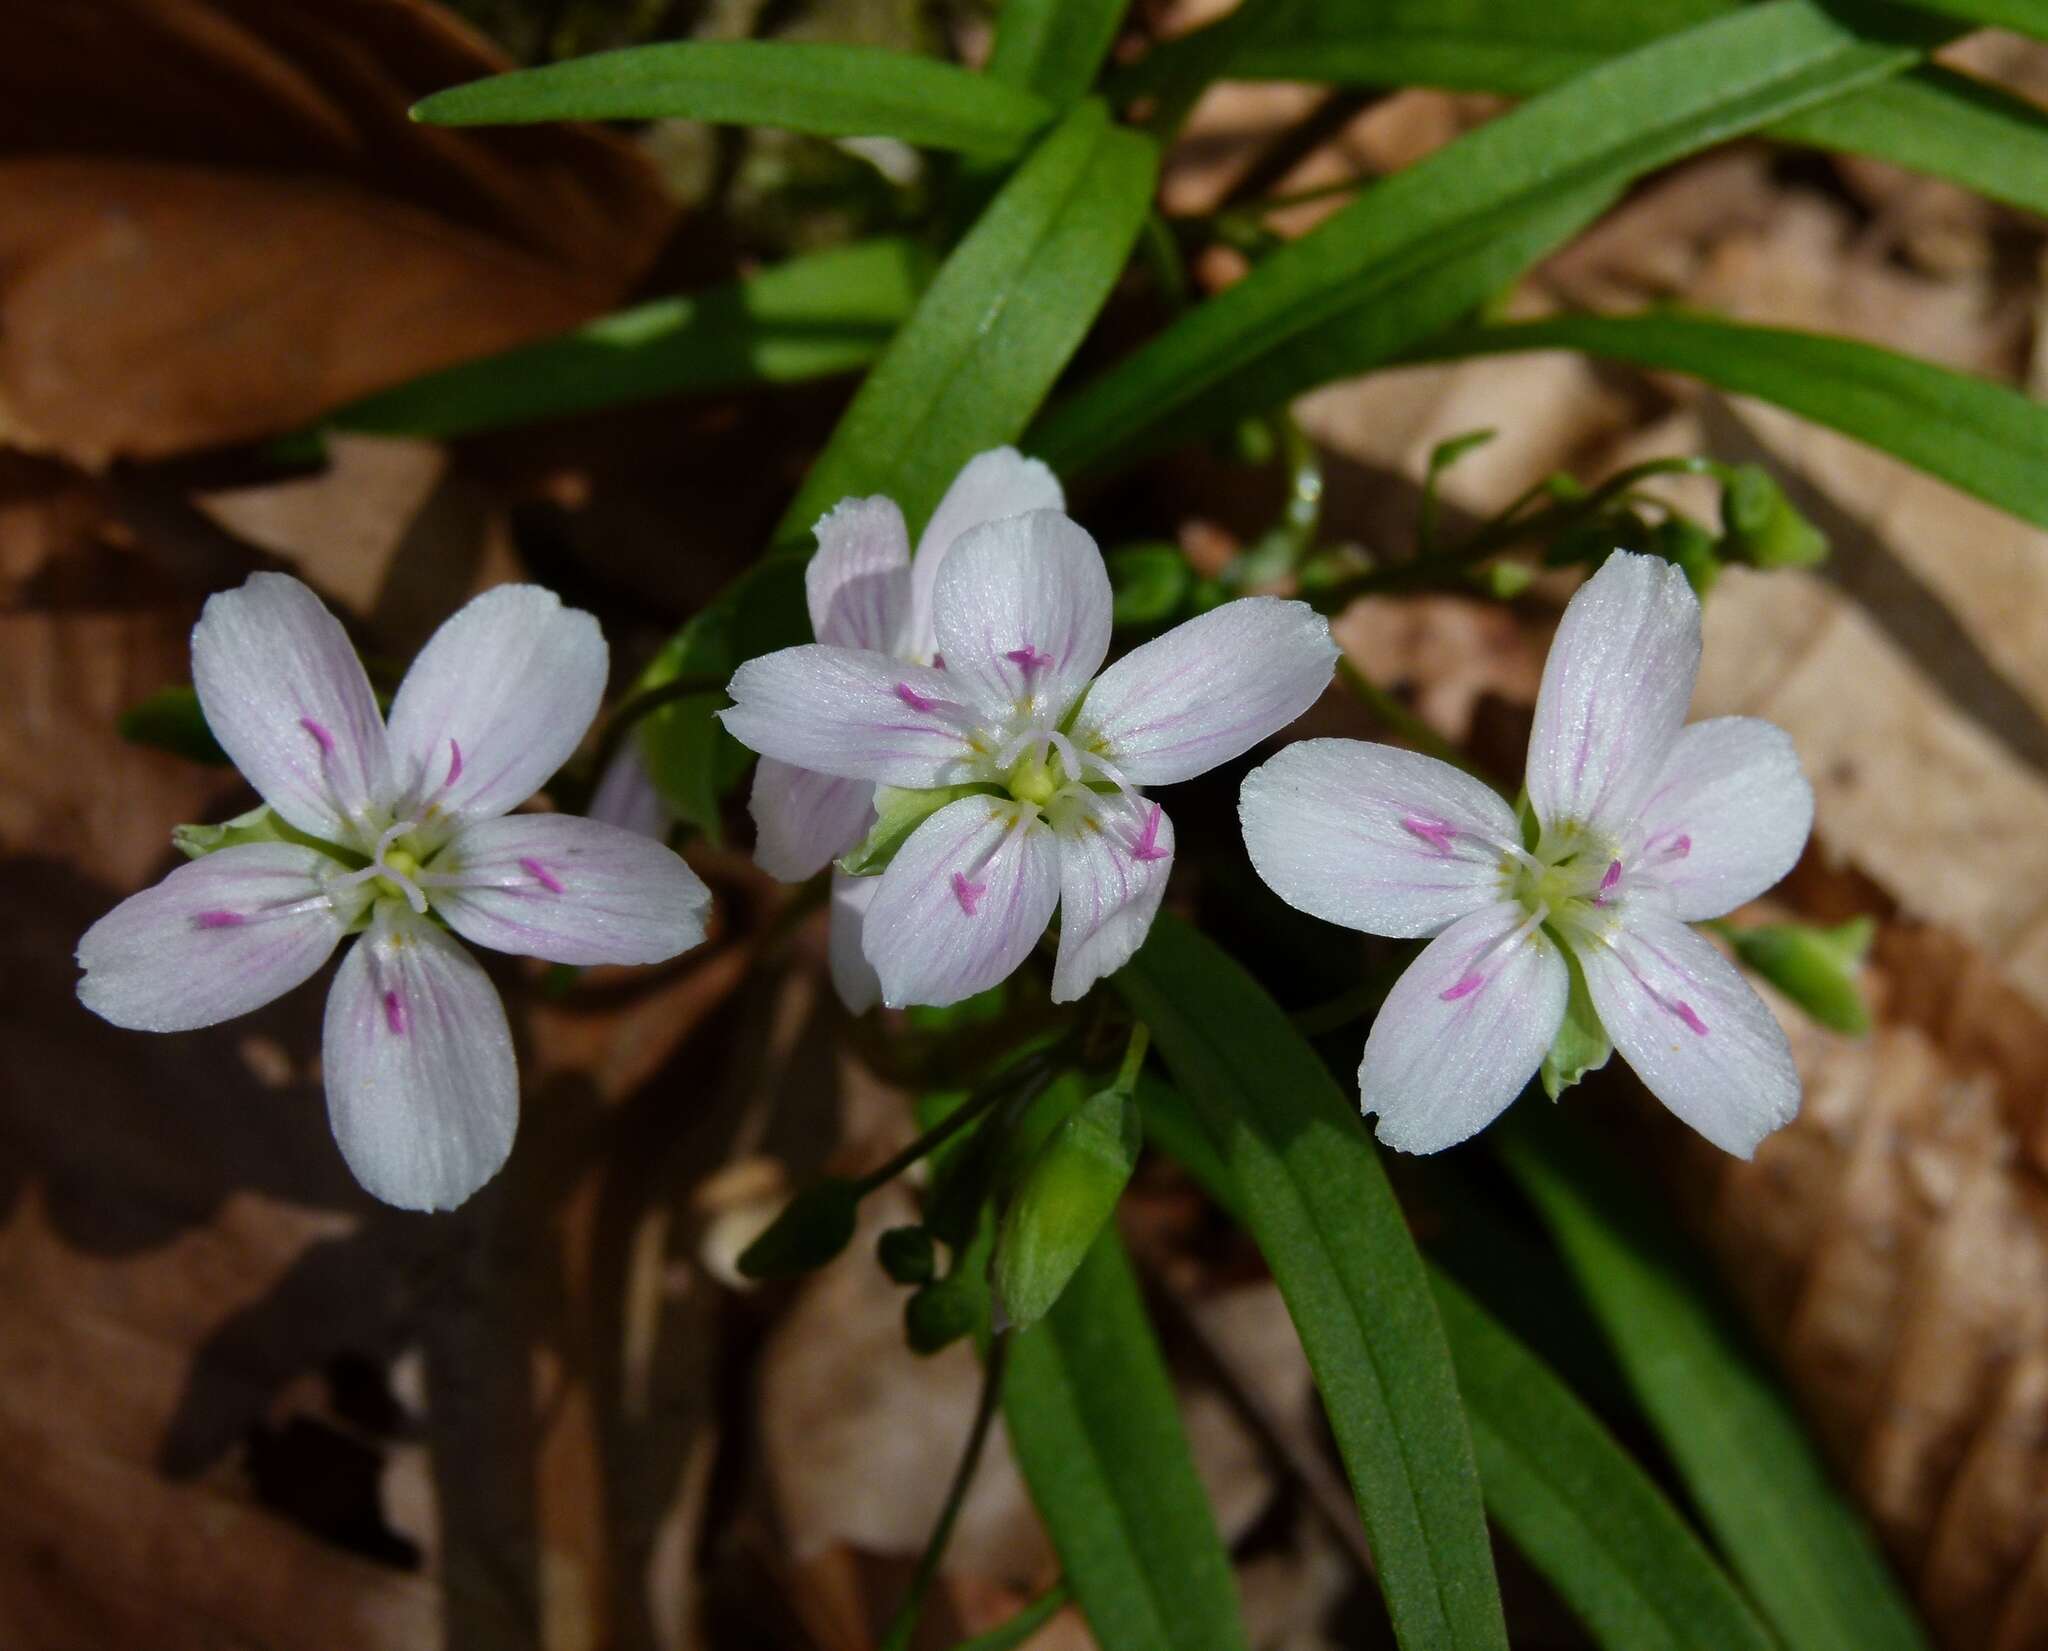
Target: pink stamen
(1471, 981)
(1147, 848)
(220, 920)
(541, 875)
(1613, 876)
(1684, 1011)
(915, 700)
(1681, 848)
(454, 764)
(394, 1014)
(1436, 833)
(321, 735)
(968, 894)
(1028, 658)
(938, 662)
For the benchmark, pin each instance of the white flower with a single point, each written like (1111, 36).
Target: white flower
(1011, 707)
(1644, 826)
(401, 832)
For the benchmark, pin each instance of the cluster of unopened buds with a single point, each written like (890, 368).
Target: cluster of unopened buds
(953, 741)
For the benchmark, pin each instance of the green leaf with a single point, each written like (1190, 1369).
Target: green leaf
(1053, 47)
(1930, 119)
(1065, 1198)
(812, 1229)
(1091, 1416)
(996, 326)
(1150, 583)
(897, 814)
(1983, 437)
(825, 313)
(826, 90)
(1579, 1508)
(1816, 968)
(170, 720)
(1430, 235)
(1317, 1201)
(1803, 1552)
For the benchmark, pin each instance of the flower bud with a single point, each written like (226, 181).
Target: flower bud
(1067, 1196)
(1760, 526)
(815, 1226)
(1815, 968)
(907, 1255)
(941, 1313)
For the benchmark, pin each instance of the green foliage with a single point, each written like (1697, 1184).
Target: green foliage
(1064, 1199)
(897, 814)
(1317, 1201)
(1816, 968)
(1150, 583)
(811, 1230)
(170, 720)
(1053, 47)
(1091, 1416)
(827, 90)
(1803, 1552)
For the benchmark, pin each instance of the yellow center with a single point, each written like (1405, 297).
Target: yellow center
(1036, 779)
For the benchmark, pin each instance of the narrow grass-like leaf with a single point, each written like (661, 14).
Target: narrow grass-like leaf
(1930, 119)
(1318, 1204)
(1805, 1555)
(826, 90)
(999, 321)
(1053, 48)
(1579, 1508)
(824, 313)
(1007, 1636)
(1983, 437)
(1092, 1419)
(1579, 144)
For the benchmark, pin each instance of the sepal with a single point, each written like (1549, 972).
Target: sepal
(898, 813)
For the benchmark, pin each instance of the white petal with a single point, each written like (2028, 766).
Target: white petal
(858, 583)
(285, 695)
(498, 700)
(626, 796)
(567, 889)
(1615, 690)
(1694, 1030)
(215, 939)
(992, 485)
(1208, 690)
(1021, 610)
(963, 902)
(422, 1089)
(853, 976)
(1728, 817)
(805, 820)
(1114, 861)
(1464, 1029)
(1375, 838)
(860, 715)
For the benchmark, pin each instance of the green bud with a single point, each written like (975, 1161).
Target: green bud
(1684, 543)
(1760, 526)
(815, 1226)
(1581, 1044)
(941, 1313)
(1815, 968)
(1504, 581)
(170, 720)
(1150, 583)
(1067, 1196)
(907, 1255)
(1253, 442)
(897, 814)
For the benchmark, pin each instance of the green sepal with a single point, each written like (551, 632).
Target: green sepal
(261, 824)
(1759, 525)
(1582, 1044)
(1067, 1196)
(897, 814)
(171, 720)
(1815, 968)
(812, 1229)
(1150, 583)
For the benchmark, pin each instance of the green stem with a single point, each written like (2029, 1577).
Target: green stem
(1023, 1077)
(1389, 711)
(1134, 1058)
(1006, 1636)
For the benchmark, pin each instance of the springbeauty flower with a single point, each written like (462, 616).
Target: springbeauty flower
(1031, 763)
(400, 833)
(866, 589)
(1641, 827)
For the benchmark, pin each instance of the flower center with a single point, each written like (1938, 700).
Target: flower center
(1572, 876)
(1037, 776)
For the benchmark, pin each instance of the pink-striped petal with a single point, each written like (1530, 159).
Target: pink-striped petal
(1208, 690)
(853, 976)
(215, 939)
(859, 715)
(1697, 1034)
(567, 889)
(496, 702)
(992, 485)
(1728, 818)
(1615, 691)
(804, 820)
(858, 582)
(1020, 611)
(286, 697)
(1375, 838)
(1464, 1029)
(1115, 855)
(422, 1088)
(963, 902)
(626, 796)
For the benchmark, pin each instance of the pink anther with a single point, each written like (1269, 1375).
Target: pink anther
(541, 875)
(968, 894)
(1147, 847)
(394, 1014)
(1471, 981)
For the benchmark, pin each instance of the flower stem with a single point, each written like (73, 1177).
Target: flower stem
(1024, 1077)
